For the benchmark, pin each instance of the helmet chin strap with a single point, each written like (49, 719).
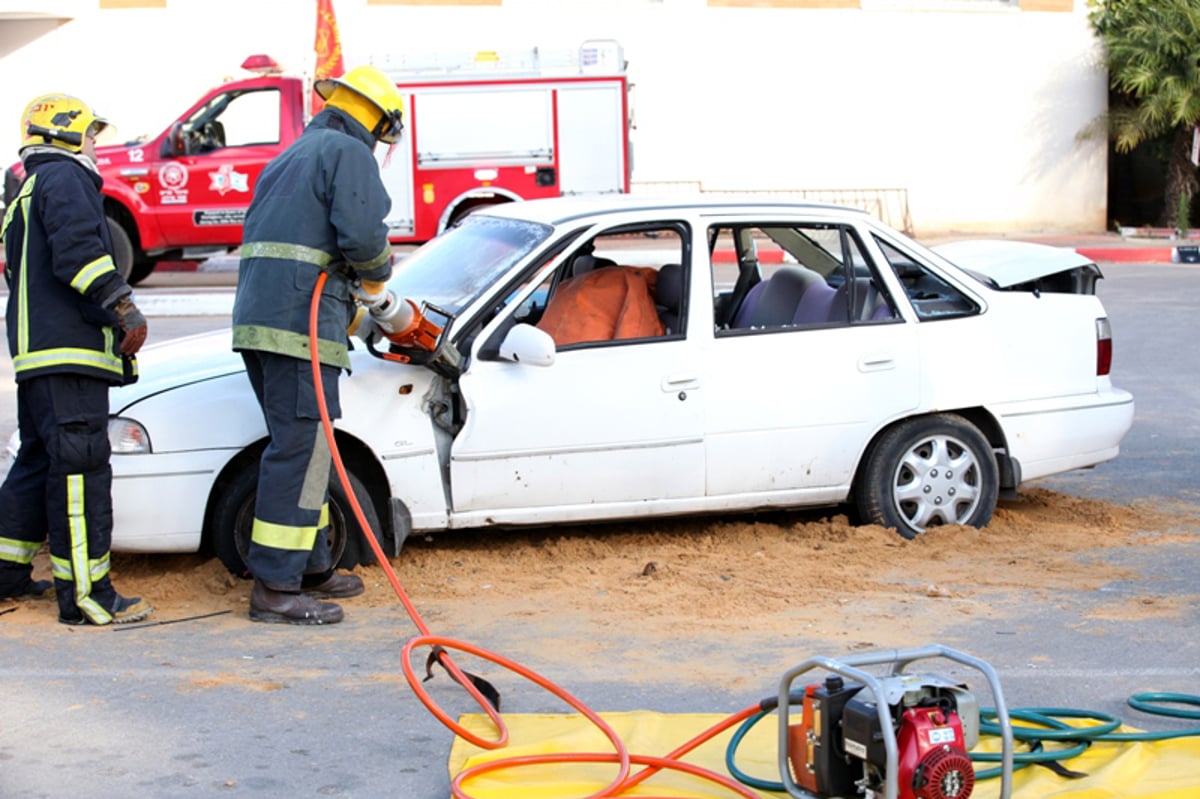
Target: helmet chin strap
(389, 127)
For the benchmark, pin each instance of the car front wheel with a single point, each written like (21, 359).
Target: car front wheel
(233, 520)
(929, 471)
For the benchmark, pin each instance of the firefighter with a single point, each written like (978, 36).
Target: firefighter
(73, 330)
(318, 207)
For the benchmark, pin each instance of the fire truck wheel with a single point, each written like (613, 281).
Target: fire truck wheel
(233, 518)
(140, 271)
(927, 471)
(122, 247)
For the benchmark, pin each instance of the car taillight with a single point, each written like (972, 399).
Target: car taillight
(1103, 347)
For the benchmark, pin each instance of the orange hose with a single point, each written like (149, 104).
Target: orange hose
(621, 756)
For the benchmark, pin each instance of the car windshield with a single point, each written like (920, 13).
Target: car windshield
(453, 269)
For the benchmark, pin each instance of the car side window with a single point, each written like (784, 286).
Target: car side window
(793, 277)
(932, 297)
(622, 286)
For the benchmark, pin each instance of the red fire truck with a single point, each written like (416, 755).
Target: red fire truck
(481, 128)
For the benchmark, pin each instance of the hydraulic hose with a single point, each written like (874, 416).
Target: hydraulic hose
(621, 756)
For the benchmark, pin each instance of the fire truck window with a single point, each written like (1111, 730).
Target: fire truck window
(237, 120)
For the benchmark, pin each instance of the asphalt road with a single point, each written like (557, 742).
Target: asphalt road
(111, 714)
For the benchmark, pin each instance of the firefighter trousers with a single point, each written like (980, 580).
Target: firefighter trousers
(290, 535)
(60, 487)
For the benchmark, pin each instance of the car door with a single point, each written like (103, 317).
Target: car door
(792, 404)
(609, 429)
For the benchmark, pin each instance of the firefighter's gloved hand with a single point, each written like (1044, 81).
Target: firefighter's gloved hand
(363, 326)
(133, 324)
(369, 293)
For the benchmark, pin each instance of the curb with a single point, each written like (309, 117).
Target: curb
(1151, 255)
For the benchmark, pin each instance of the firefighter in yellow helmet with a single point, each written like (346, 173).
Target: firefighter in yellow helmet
(318, 207)
(73, 330)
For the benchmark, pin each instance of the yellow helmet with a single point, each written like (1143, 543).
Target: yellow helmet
(61, 120)
(382, 115)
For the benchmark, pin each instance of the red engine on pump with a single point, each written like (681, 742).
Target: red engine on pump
(934, 763)
(839, 748)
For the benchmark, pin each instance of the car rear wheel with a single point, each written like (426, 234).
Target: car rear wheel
(929, 471)
(233, 519)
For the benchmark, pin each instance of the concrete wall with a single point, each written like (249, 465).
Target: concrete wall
(977, 113)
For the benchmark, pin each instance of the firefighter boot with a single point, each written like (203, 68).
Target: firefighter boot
(290, 607)
(16, 582)
(33, 589)
(124, 610)
(331, 585)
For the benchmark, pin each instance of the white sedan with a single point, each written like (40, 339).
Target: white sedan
(619, 358)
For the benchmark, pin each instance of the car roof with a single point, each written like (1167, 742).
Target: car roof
(557, 210)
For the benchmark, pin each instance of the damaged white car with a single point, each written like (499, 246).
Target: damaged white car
(620, 357)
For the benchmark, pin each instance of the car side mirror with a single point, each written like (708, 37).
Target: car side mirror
(529, 345)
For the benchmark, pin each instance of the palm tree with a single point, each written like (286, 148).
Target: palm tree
(1152, 50)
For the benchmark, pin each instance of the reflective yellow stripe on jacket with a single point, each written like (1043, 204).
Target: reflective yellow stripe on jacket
(87, 275)
(62, 356)
(286, 252)
(26, 190)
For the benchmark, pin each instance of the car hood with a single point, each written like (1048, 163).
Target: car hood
(178, 362)
(1014, 263)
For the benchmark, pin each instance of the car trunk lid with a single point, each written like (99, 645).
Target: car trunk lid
(1024, 265)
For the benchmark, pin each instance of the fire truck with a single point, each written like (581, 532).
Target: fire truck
(480, 128)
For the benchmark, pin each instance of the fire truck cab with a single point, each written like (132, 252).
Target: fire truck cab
(481, 129)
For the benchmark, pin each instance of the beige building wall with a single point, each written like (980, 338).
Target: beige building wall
(976, 108)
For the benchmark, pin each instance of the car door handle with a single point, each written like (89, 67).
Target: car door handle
(672, 383)
(876, 363)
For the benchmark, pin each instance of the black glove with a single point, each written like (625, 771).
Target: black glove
(133, 324)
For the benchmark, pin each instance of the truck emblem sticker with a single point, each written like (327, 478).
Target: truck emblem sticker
(173, 178)
(226, 179)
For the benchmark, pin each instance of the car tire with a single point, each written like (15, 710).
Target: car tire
(928, 471)
(122, 248)
(233, 519)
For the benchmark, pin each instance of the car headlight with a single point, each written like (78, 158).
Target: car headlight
(127, 437)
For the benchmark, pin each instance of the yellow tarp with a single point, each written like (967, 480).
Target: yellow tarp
(1158, 770)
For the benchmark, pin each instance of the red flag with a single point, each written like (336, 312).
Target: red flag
(328, 45)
